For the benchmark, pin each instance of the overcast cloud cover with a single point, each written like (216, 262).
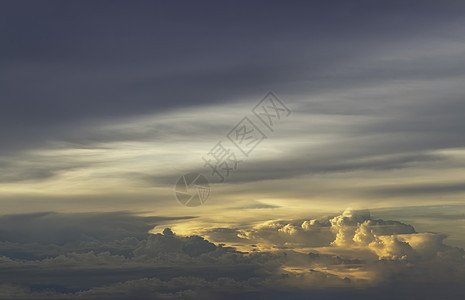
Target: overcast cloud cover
(358, 193)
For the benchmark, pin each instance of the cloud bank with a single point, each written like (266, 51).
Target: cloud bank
(112, 256)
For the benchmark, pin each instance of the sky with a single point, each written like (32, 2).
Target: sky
(351, 183)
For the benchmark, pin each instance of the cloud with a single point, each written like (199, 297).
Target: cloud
(364, 106)
(40, 235)
(95, 111)
(120, 259)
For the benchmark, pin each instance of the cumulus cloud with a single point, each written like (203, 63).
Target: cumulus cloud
(355, 247)
(120, 259)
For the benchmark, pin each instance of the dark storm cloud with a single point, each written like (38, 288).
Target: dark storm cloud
(63, 63)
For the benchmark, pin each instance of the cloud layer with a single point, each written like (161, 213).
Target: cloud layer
(117, 258)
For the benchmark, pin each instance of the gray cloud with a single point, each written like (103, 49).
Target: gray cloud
(420, 189)
(66, 64)
(40, 235)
